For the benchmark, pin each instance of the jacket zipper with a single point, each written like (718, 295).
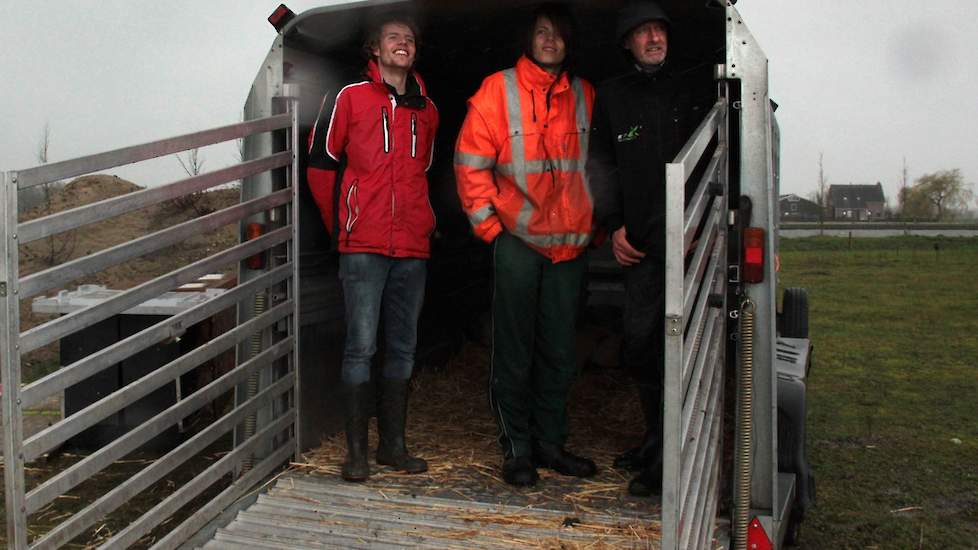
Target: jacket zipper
(393, 101)
(414, 135)
(387, 130)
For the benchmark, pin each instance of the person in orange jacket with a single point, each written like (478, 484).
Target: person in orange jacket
(519, 166)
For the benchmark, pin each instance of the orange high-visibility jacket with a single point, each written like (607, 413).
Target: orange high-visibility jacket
(520, 156)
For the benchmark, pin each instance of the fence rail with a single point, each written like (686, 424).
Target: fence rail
(695, 347)
(274, 439)
(57, 171)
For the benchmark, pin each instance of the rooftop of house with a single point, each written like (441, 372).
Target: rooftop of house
(856, 196)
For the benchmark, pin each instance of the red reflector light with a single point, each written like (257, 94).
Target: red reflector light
(753, 255)
(757, 538)
(252, 232)
(281, 17)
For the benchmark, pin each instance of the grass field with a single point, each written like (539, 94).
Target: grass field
(893, 392)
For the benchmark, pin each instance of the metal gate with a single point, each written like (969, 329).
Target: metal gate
(271, 357)
(696, 279)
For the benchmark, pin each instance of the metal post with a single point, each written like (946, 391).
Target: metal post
(13, 457)
(747, 62)
(295, 141)
(673, 378)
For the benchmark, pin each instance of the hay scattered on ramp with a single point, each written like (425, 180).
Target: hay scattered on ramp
(450, 425)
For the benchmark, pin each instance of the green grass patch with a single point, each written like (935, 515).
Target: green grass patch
(893, 392)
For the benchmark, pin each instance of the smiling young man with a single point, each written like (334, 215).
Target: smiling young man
(641, 121)
(519, 166)
(368, 156)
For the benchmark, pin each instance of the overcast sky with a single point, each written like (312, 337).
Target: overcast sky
(864, 82)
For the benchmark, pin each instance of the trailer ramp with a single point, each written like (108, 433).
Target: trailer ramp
(303, 511)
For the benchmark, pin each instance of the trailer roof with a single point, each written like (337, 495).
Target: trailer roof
(462, 31)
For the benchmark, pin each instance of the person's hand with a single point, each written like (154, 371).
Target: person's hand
(625, 253)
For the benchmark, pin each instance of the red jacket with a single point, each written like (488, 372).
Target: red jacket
(381, 145)
(519, 160)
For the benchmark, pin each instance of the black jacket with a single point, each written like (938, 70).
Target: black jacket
(640, 122)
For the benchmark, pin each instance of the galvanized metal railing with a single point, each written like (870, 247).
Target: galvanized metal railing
(695, 344)
(278, 323)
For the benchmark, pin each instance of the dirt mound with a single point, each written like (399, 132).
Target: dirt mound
(79, 192)
(89, 189)
(120, 229)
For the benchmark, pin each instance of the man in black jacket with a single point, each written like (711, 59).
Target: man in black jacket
(641, 120)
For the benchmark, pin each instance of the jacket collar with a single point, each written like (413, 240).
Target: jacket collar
(415, 85)
(532, 77)
(664, 71)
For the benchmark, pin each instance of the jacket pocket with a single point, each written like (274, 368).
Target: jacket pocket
(352, 207)
(422, 137)
(434, 219)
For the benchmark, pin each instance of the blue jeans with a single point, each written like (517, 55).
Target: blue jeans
(375, 284)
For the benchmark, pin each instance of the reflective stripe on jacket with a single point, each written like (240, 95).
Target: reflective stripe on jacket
(520, 156)
(380, 147)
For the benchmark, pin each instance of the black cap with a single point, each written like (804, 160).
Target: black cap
(637, 12)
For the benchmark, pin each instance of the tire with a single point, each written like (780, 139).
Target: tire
(792, 531)
(794, 313)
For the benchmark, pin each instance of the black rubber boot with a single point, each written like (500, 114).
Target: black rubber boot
(561, 461)
(636, 458)
(391, 418)
(356, 467)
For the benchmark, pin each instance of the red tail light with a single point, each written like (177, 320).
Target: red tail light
(252, 232)
(757, 538)
(281, 17)
(753, 255)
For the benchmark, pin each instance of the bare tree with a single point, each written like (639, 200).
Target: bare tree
(193, 165)
(820, 197)
(60, 247)
(904, 172)
(904, 192)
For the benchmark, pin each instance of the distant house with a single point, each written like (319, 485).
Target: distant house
(796, 209)
(857, 202)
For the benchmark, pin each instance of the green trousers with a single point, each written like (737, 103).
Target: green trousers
(534, 315)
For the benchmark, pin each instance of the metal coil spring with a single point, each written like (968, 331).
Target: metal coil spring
(251, 421)
(745, 413)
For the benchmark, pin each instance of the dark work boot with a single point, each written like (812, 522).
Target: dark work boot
(391, 418)
(649, 480)
(519, 471)
(357, 397)
(635, 459)
(557, 459)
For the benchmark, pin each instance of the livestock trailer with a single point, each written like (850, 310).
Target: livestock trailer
(735, 466)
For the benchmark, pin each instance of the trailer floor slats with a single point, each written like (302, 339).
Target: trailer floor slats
(302, 511)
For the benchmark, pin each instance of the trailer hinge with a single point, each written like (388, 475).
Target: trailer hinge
(3, 289)
(674, 325)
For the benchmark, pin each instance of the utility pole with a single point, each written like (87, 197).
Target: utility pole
(822, 199)
(903, 188)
